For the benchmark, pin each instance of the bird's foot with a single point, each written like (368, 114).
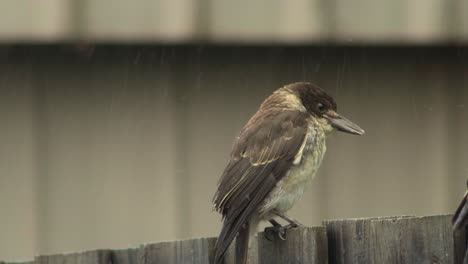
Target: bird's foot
(293, 222)
(274, 231)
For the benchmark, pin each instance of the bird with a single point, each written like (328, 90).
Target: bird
(460, 217)
(273, 160)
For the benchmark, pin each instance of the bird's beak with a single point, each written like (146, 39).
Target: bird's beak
(343, 124)
(461, 215)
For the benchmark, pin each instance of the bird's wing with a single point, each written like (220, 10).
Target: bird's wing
(262, 154)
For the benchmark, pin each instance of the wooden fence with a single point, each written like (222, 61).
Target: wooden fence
(403, 239)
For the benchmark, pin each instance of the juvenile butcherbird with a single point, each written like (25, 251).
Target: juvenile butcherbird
(273, 160)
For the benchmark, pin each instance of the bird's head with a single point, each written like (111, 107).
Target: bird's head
(323, 107)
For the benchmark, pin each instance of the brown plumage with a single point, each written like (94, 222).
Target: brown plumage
(276, 152)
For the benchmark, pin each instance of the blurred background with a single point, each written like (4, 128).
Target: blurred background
(117, 118)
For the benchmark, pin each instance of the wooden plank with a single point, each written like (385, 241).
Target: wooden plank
(405, 239)
(392, 240)
(124, 256)
(460, 238)
(303, 245)
(196, 251)
(413, 240)
(88, 257)
(349, 240)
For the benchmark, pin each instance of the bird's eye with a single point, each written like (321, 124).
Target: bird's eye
(321, 107)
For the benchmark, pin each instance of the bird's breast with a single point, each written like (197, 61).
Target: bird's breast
(300, 175)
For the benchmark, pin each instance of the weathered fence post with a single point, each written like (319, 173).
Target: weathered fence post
(196, 251)
(306, 245)
(124, 256)
(394, 240)
(403, 239)
(460, 239)
(303, 245)
(88, 257)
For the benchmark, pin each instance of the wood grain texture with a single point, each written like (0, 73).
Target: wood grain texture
(88, 257)
(461, 252)
(393, 240)
(124, 256)
(349, 240)
(302, 245)
(403, 239)
(196, 251)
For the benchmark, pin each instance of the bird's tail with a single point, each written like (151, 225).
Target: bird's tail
(242, 244)
(247, 230)
(461, 215)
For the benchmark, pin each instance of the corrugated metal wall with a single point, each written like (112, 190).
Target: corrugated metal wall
(124, 145)
(284, 21)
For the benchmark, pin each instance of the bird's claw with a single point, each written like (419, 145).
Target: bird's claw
(282, 233)
(269, 233)
(273, 231)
